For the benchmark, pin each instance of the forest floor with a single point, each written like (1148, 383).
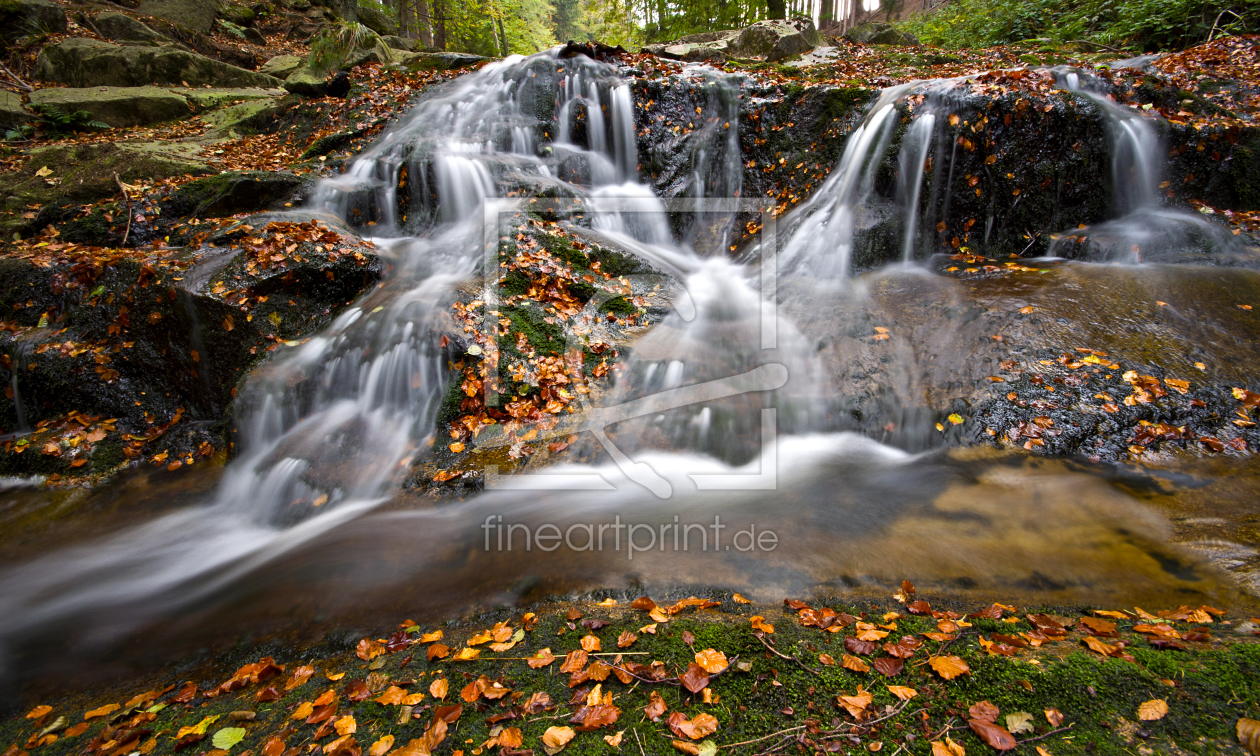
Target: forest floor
(700, 676)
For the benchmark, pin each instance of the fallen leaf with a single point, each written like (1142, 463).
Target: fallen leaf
(699, 726)
(983, 711)
(614, 740)
(382, 746)
(1020, 721)
(992, 734)
(949, 667)
(1054, 717)
(541, 659)
(1249, 735)
(227, 737)
(712, 660)
(1156, 708)
(556, 738)
(856, 704)
(104, 710)
(854, 664)
(903, 693)
(656, 707)
(695, 679)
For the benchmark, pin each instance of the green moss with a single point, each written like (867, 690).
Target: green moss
(618, 306)
(546, 338)
(514, 284)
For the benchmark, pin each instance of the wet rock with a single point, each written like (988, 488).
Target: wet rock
(88, 63)
(775, 40)
(20, 18)
(12, 113)
(118, 106)
(123, 28)
(303, 81)
(235, 192)
(281, 66)
(876, 33)
(427, 61)
(164, 339)
(194, 14)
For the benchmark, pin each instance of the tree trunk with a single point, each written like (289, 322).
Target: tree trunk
(777, 8)
(503, 36)
(423, 26)
(439, 24)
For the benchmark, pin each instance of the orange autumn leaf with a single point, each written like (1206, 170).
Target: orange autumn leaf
(439, 688)
(949, 667)
(590, 643)
(712, 660)
(382, 746)
(541, 659)
(1156, 708)
(759, 623)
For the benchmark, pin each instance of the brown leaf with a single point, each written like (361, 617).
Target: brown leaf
(541, 659)
(889, 667)
(448, 714)
(699, 726)
(984, 711)
(626, 639)
(539, 701)
(856, 704)
(903, 693)
(438, 651)
(590, 643)
(574, 661)
(1054, 717)
(695, 679)
(644, 604)
(993, 735)
(854, 664)
(656, 707)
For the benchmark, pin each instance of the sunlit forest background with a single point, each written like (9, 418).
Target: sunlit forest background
(498, 27)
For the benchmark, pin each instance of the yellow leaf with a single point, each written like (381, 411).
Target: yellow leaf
(42, 172)
(905, 694)
(346, 725)
(556, 738)
(759, 623)
(853, 663)
(712, 660)
(104, 710)
(439, 688)
(38, 712)
(382, 746)
(949, 667)
(466, 654)
(740, 599)
(1156, 708)
(304, 710)
(436, 635)
(614, 740)
(1249, 735)
(955, 419)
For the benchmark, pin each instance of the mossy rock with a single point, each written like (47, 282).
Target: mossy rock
(234, 192)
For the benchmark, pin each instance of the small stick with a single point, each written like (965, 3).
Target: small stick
(785, 656)
(766, 737)
(126, 199)
(1048, 734)
(17, 81)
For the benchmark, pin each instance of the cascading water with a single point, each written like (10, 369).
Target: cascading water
(328, 430)
(1145, 230)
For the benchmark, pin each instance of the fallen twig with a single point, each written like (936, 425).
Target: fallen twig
(777, 653)
(126, 199)
(16, 80)
(1048, 734)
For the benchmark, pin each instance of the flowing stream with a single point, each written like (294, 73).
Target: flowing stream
(329, 429)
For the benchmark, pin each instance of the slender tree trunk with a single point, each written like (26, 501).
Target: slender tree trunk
(423, 29)
(503, 36)
(777, 8)
(439, 24)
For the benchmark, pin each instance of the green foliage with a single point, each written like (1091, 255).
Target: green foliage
(332, 46)
(54, 122)
(1135, 25)
(671, 19)
(231, 28)
(474, 26)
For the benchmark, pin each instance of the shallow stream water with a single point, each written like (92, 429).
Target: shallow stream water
(155, 565)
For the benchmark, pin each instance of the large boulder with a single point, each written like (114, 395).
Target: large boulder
(281, 66)
(19, 18)
(195, 14)
(775, 40)
(376, 20)
(88, 63)
(399, 43)
(117, 106)
(877, 33)
(123, 28)
(11, 111)
(235, 192)
(425, 61)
